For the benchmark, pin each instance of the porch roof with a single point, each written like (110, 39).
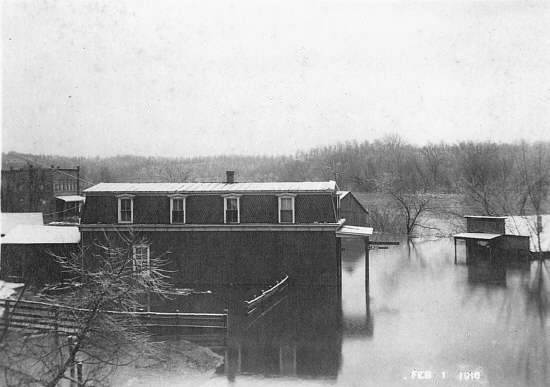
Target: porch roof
(71, 198)
(354, 232)
(476, 235)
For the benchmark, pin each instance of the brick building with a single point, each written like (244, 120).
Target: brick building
(53, 191)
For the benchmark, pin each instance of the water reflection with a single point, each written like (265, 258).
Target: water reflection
(301, 337)
(486, 274)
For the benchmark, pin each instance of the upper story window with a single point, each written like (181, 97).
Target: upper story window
(286, 209)
(141, 262)
(177, 209)
(126, 209)
(231, 208)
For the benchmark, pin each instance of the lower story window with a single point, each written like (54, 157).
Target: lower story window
(141, 259)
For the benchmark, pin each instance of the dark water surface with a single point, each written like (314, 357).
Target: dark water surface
(426, 322)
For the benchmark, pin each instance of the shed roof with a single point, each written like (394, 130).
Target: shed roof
(527, 226)
(306, 186)
(476, 235)
(39, 234)
(12, 219)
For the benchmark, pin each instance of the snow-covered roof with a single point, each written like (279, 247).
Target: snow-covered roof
(34, 234)
(484, 217)
(476, 235)
(343, 194)
(354, 231)
(13, 219)
(527, 226)
(304, 186)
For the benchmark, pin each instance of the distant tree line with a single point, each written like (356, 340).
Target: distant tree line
(499, 178)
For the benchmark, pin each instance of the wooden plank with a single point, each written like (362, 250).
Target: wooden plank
(280, 285)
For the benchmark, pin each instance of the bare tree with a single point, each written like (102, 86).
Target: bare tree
(411, 207)
(487, 177)
(110, 279)
(535, 176)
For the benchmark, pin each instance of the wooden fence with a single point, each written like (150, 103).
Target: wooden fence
(41, 316)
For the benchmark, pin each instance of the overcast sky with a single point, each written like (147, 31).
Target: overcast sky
(188, 78)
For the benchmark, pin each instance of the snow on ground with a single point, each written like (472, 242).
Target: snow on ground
(7, 290)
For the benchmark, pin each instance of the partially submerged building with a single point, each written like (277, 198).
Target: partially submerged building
(225, 233)
(486, 239)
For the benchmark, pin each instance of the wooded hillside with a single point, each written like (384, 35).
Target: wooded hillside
(496, 177)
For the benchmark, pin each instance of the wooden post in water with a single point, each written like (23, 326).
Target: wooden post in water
(79, 374)
(367, 274)
(455, 250)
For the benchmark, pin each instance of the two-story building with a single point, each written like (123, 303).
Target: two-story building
(224, 233)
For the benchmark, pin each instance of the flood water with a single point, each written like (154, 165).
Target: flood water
(425, 321)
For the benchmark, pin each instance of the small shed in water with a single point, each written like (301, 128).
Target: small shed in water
(28, 252)
(486, 239)
(352, 210)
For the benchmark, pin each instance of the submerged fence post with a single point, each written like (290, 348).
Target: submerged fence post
(367, 264)
(79, 374)
(226, 311)
(455, 251)
(74, 366)
(7, 314)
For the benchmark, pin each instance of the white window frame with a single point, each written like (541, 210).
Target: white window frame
(225, 198)
(280, 199)
(178, 197)
(148, 259)
(119, 199)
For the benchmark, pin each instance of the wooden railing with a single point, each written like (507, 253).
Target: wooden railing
(41, 316)
(261, 302)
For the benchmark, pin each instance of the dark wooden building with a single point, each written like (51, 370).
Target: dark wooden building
(224, 233)
(352, 210)
(28, 253)
(53, 191)
(486, 240)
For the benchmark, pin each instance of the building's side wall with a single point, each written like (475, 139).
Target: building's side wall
(27, 190)
(244, 257)
(352, 211)
(513, 247)
(34, 263)
(208, 209)
(492, 226)
(477, 251)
